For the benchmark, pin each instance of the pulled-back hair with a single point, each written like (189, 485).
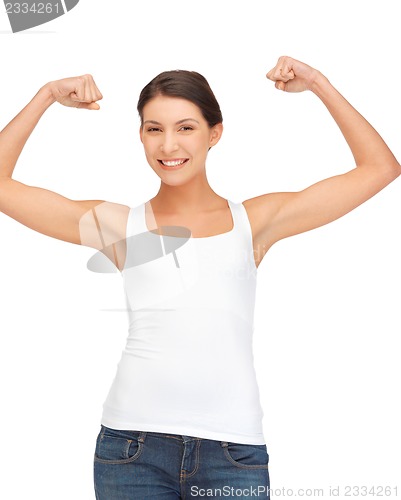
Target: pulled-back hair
(185, 84)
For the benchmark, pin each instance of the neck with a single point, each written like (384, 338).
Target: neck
(192, 197)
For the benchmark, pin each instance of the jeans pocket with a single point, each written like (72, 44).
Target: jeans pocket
(246, 456)
(118, 447)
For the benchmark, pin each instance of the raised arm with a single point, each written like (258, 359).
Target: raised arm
(275, 216)
(46, 211)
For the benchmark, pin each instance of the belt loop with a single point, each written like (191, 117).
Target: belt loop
(142, 436)
(224, 444)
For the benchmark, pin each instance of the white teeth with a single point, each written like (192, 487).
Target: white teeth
(172, 163)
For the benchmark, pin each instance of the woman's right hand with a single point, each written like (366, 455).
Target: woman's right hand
(76, 92)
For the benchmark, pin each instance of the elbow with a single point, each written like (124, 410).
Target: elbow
(389, 170)
(395, 170)
(4, 178)
(398, 169)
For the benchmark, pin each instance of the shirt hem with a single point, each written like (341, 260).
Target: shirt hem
(184, 431)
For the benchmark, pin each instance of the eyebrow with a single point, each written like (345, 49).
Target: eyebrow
(177, 123)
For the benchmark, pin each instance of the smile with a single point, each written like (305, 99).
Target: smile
(173, 163)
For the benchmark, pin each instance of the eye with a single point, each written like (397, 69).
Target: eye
(185, 128)
(153, 129)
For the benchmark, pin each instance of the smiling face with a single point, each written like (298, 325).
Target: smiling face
(176, 138)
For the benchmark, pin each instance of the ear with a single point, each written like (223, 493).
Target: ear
(141, 133)
(215, 134)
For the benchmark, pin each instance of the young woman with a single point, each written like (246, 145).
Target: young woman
(182, 416)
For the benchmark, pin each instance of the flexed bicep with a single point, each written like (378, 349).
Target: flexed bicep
(275, 216)
(93, 223)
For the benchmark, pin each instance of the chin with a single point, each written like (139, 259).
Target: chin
(179, 181)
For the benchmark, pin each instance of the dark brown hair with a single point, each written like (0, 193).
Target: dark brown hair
(185, 84)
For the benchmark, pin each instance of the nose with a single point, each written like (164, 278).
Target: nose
(169, 143)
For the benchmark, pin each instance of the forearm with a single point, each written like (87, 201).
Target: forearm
(366, 145)
(14, 136)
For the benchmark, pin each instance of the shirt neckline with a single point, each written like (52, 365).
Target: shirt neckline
(229, 204)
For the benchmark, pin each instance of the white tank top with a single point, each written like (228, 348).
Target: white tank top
(187, 367)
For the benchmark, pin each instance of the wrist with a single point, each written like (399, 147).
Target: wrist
(45, 95)
(319, 84)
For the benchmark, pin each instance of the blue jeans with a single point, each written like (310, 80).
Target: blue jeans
(138, 465)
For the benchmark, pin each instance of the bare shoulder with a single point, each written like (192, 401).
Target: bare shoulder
(103, 224)
(262, 211)
(103, 227)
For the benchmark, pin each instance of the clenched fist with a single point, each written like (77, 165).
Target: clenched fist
(292, 75)
(76, 92)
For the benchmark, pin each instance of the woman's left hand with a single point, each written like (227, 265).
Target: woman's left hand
(292, 75)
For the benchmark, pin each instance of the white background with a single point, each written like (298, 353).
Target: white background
(327, 320)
